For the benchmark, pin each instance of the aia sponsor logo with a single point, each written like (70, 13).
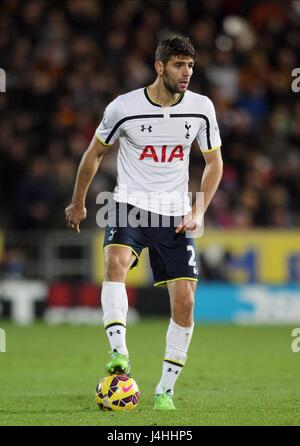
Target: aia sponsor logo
(159, 155)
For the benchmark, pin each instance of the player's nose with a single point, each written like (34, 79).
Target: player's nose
(186, 73)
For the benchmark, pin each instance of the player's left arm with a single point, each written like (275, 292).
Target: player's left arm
(212, 175)
(210, 181)
(209, 141)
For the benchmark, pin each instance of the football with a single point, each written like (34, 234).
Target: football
(117, 392)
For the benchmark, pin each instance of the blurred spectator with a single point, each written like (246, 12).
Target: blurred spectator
(13, 264)
(36, 197)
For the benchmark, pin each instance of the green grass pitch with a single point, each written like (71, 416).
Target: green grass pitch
(234, 376)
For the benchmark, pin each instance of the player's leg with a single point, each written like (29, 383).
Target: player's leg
(173, 261)
(122, 247)
(178, 339)
(118, 261)
(182, 298)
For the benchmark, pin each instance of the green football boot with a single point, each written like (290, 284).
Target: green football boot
(163, 402)
(118, 363)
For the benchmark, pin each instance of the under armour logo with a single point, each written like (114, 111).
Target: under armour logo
(187, 126)
(144, 127)
(111, 333)
(112, 233)
(174, 371)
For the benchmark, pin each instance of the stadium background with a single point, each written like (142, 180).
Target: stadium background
(64, 61)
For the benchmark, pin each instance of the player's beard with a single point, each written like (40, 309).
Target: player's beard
(169, 85)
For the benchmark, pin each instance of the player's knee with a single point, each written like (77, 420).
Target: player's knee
(116, 267)
(183, 307)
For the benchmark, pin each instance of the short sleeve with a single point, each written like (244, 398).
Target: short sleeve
(110, 127)
(208, 136)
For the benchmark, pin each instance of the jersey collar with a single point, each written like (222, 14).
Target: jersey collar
(158, 105)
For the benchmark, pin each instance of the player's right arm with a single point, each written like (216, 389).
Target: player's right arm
(88, 167)
(106, 135)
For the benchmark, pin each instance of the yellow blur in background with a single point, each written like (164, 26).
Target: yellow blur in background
(263, 256)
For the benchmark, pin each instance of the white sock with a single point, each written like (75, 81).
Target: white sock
(178, 340)
(115, 306)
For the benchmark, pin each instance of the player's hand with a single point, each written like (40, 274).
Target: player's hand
(190, 222)
(75, 214)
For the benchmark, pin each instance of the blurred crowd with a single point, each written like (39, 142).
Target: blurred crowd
(65, 60)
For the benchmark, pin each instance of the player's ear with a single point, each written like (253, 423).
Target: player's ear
(159, 67)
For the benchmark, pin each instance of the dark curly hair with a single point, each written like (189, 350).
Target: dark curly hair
(174, 46)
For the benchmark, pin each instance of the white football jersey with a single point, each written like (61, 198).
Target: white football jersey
(154, 147)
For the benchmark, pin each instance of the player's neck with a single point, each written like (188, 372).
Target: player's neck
(161, 96)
